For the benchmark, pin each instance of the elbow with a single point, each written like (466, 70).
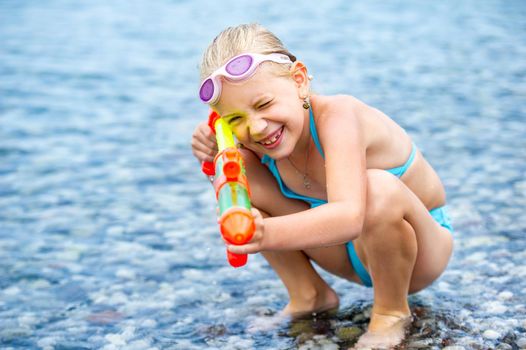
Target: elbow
(355, 228)
(352, 221)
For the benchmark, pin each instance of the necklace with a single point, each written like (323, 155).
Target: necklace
(304, 174)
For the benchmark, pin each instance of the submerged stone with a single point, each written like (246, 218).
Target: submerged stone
(348, 333)
(299, 327)
(491, 334)
(521, 343)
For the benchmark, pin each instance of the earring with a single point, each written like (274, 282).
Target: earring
(306, 103)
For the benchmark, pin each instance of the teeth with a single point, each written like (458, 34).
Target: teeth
(272, 140)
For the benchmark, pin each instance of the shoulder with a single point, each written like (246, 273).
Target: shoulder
(337, 109)
(325, 104)
(338, 114)
(348, 114)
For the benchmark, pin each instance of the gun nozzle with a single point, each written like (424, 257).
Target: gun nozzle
(232, 164)
(239, 238)
(232, 170)
(238, 227)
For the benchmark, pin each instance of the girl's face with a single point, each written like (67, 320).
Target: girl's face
(265, 112)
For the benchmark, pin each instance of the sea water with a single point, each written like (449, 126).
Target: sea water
(108, 236)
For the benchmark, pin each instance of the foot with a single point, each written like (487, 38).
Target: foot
(326, 300)
(297, 308)
(384, 332)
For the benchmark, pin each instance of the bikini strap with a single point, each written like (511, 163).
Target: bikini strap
(314, 133)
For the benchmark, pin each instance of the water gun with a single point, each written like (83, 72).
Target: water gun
(232, 192)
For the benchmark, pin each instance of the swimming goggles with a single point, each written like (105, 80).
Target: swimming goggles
(238, 68)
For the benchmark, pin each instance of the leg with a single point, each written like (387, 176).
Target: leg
(403, 249)
(308, 292)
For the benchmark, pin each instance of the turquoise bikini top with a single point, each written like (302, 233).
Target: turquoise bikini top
(314, 202)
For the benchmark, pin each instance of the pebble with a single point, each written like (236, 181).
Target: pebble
(115, 339)
(40, 284)
(28, 320)
(419, 344)
(348, 333)
(359, 318)
(47, 342)
(299, 327)
(15, 333)
(491, 334)
(504, 346)
(117, 298)
(495, 307)
(140, 344)
(236, 342)
(521, 343)
(454, 347)
(149, 323)
(105, 317)
(443, 286)
(505, 295)
(68, 255)
(115, 230)
(319, 343)
(12, 291)
(126, 274)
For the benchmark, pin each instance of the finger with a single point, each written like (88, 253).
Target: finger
(203, 141)
(203, 149)
(203, 131)
(209, 138)
(258, 218)
(206, 133)
(255, 213)
(203, 157)
(209, 133)
(206, 147)
(250, 248)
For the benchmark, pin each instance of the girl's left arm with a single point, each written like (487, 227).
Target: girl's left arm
(341, 219)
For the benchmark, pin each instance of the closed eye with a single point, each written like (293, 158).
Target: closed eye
(265, 104)
(234, 119)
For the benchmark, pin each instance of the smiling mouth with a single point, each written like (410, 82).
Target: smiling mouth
(273, 139)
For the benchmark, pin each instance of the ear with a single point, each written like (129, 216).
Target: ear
(298, 72)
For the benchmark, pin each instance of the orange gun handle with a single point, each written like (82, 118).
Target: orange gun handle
(212, 117)
(208, 168)
(236, 260)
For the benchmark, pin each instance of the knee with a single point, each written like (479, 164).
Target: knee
(384, 198)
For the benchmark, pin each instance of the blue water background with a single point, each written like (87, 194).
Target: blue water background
(108, 236)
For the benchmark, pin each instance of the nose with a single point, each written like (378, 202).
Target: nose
(257, 125)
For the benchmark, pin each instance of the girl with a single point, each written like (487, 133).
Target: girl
(334, 181)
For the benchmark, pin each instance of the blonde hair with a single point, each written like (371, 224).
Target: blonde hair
(232, 41)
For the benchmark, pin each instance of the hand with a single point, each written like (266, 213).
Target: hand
(204, 145)
(256, 244)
